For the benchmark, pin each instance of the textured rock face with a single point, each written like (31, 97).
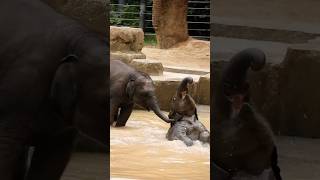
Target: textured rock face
(126, 57)
(299, 92)
(203, 90)
(126, 39)
(169, 18)
(287, 94)
(92, 13)
(151, 67)
(165, 90)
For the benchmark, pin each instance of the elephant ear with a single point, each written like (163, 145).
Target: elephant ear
(130, 88)
(64, 86)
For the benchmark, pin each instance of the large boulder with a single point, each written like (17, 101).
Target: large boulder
(165, 90)
(299, 92)
(287, 94)
(151, 67)
(126, 57)
(203, 92)
(126, 39)
(169, 19)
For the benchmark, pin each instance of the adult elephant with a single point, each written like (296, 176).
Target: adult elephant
(127, 87)
(53, 85)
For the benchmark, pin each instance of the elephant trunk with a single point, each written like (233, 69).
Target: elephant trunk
(153, 105)
(236, 72)
(231, 91)
(183, 85)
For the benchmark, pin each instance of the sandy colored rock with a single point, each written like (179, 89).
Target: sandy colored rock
(203, 92)
(169, 19)
(126, 39)
(166, 89)
(299, 92)
(151, 67)
(189, 54)
(126, 57)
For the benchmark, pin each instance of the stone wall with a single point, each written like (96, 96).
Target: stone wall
(287, 94)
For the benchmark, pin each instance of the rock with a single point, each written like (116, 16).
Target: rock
(151, 67)
(126, 57)
(166, 89)
(92, 13)
(264, 91)
(299, 92)
(169, 19)
(203, 92)
(126, 39)
(287, 94)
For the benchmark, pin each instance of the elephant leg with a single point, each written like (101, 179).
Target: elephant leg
(51, 157)
(181, 133)
(205, 137)
(114, 110)
(11, 159)
(204, 133)
(13, 138)
(185, 139)
(23, 165)
(124, 115)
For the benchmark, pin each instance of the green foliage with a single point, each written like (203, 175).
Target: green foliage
(150, 40)
(125, 15)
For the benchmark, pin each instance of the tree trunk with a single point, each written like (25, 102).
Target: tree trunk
(169, 19)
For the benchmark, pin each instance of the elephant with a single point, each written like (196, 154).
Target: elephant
(53, 88)
(128, 87)
(243, 140)
(183, 110)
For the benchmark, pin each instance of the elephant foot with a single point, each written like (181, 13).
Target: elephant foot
(188, 142)
(205, 137)
(118, 124)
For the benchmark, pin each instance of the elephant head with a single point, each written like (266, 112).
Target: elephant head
(182, 104)
(79, 91)
(140, 89)
(234, 89)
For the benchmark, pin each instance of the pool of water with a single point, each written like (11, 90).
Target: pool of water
(140, 150)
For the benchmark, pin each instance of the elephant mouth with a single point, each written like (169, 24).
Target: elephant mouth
(237, 102)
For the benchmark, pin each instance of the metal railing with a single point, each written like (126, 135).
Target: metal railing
(140, 15)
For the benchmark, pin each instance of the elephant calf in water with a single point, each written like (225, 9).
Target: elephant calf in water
(187, 126)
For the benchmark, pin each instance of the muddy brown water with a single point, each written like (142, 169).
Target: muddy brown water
(141, 151)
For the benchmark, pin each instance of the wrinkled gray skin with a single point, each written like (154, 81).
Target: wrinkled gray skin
(243, 140)
(53, 87)
(187, 127)
(128, 87)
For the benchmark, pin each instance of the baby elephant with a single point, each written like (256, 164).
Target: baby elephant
(183, 110)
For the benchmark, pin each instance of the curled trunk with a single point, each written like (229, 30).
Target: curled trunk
(183, 85)
(236, 72)
(233, 79)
